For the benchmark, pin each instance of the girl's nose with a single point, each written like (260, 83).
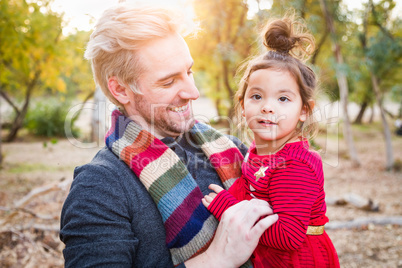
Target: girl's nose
(266, 109)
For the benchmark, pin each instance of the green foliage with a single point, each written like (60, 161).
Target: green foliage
(29, 46)
(76, 72)
(36, 59)
(396, 93)
(47, 118)
(385, 56)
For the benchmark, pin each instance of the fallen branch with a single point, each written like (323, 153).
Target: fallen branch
(19, 205)
(361, 222)
(42, 227)
(355, 200)
(36, 215)
(41, 191)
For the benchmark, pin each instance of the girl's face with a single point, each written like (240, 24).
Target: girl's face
(272, 107)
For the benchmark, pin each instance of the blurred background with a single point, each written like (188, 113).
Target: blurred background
(53, 118)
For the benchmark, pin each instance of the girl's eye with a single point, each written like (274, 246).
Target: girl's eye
(190, 72)
(256, 97)
(283, 99)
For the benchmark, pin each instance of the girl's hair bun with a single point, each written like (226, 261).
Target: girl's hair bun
(287, 36)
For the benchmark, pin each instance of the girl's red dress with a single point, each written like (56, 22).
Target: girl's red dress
(293, 185)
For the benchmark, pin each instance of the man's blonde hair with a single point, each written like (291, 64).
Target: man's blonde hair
(120, 32)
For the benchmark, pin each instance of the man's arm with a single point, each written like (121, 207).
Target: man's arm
(94, 222)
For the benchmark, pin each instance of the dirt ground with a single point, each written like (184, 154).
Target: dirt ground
(29, 227)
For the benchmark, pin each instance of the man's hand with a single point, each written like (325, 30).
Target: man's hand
(237, 235)
(207, 200)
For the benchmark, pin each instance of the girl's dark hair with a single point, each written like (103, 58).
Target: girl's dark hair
(288, 45)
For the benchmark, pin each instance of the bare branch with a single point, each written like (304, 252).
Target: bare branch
(9, 101)
(377, 23)
(319, 46)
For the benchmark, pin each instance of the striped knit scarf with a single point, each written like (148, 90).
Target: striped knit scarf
(189, 226)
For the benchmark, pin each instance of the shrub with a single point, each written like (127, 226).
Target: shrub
(46, 118)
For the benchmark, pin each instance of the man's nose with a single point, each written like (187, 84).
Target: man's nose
(189, 91)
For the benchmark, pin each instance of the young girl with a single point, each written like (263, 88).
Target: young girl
(276, 99)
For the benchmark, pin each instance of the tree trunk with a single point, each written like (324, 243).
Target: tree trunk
(217, 105)
(228, 88)
(371, 120)
(386, 130)
(374, 80)
(20, 116)
(359, 117)
(319, 46)
(343, 85)
(77, 115)
(218, 100)
(18, 122)
(1, 138)
(98, 120)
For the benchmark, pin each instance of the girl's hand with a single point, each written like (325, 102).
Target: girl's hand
(207, 200)
(237, 235)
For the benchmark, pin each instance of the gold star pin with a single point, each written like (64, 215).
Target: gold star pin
(260, 173)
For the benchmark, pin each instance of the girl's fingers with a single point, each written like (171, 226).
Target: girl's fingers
(208, 198)
(239, 231)
(216, 188)
(205, 203)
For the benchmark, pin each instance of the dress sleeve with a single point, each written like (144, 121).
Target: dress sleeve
(293, 190)
(95, 222)
(226, 199)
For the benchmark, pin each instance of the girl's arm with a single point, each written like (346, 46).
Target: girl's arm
(293, 190)
(220, 200)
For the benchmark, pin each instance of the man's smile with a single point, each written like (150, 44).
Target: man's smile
(179, 109)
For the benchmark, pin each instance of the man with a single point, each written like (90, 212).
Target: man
(138, 203)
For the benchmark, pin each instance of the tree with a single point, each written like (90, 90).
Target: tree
(322, 58)
(342, 83)
(29, 42)
(224, 41)
(76, 71)
(381, 67)
(36, 59)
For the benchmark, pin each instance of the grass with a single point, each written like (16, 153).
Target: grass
(32, 167)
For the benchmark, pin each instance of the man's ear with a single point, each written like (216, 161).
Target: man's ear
(305, 110)
(118, 91)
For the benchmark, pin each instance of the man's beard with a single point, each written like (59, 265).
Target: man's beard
(158, 118)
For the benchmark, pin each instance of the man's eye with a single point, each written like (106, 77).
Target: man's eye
(169, 83)
(283, 99)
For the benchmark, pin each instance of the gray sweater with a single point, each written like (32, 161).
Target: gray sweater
(110, 220)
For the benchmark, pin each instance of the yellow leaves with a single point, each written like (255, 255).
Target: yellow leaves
(60, 85)
(53, 81)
